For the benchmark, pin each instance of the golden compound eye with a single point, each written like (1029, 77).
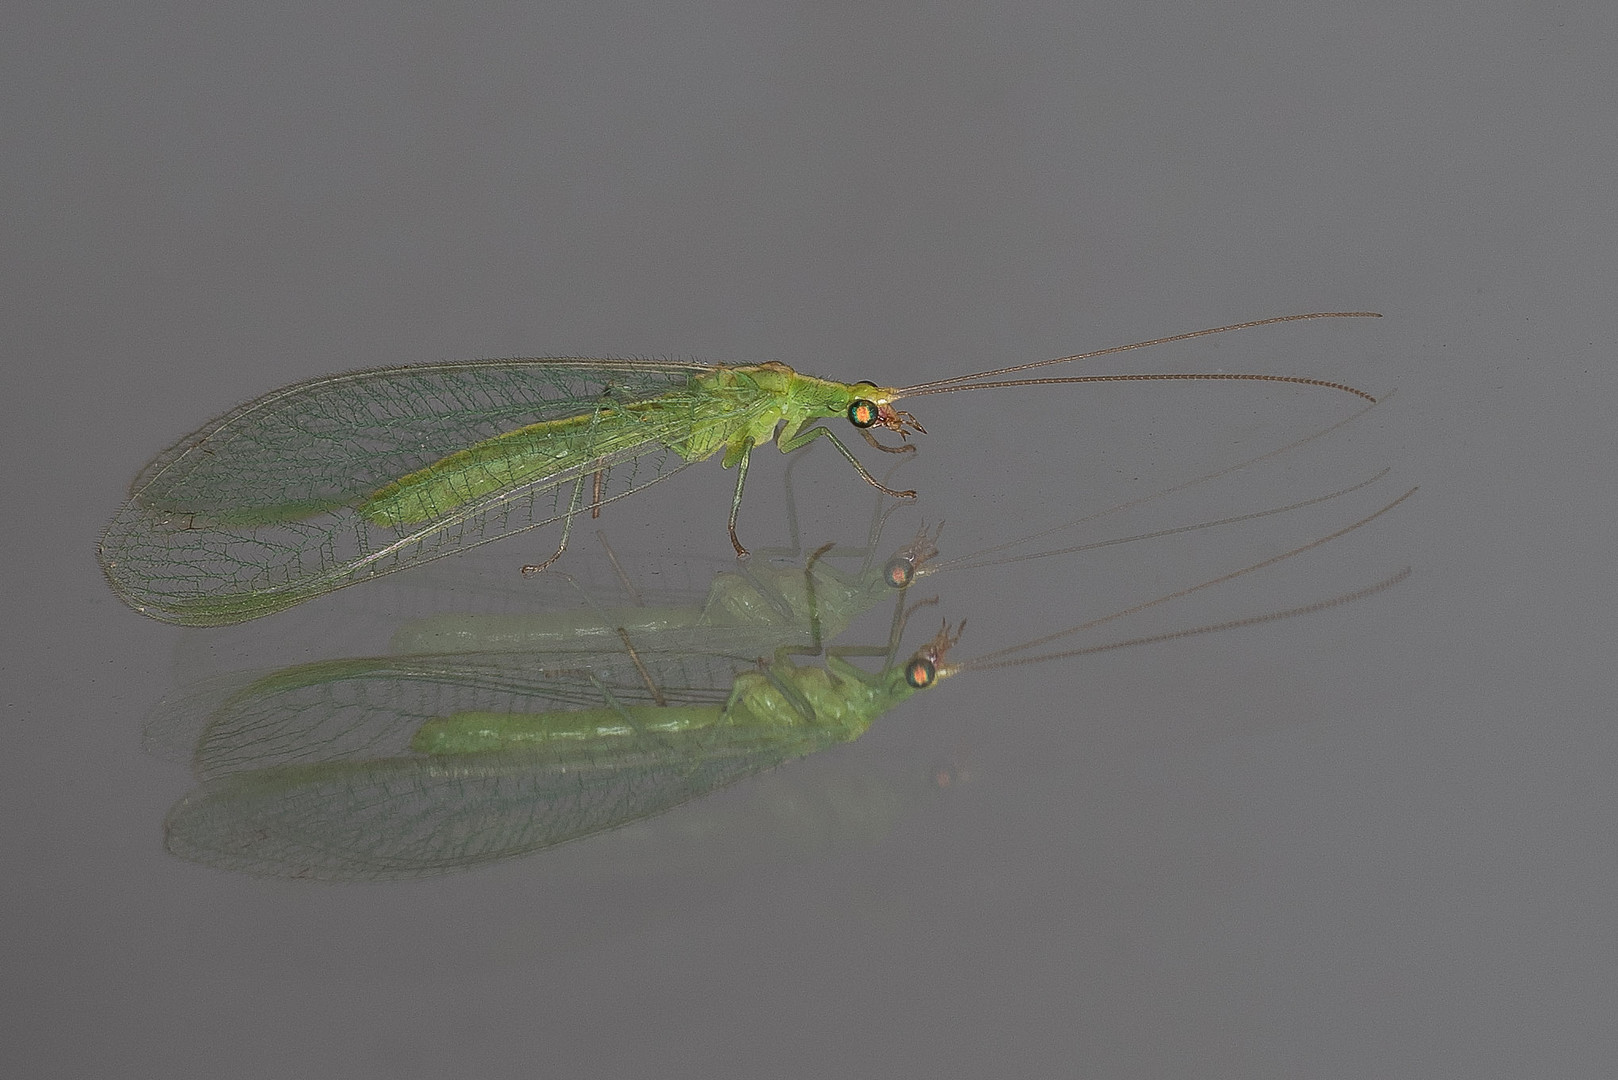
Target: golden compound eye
(920, 672)
(863, 413)
(899, 573)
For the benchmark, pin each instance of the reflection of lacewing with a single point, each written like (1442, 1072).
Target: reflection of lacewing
(339, 479)
(407, 766)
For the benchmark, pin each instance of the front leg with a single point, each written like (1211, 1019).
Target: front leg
(804, 437)
(903, 448)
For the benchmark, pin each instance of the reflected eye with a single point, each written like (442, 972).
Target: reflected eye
(899, 573)
(863, 413)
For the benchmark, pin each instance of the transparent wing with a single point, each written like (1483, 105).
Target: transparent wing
(371, 707)
(259, 510)
(411, 817)
(309, 772)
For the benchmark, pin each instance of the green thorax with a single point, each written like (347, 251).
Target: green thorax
(841, 699)
(741, 407)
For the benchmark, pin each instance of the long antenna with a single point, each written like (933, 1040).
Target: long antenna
(981, 558)
(1172, 635)
(969, 382)
(1000, 657)
(953, 564)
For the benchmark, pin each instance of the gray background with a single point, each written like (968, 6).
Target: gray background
(1377, 842)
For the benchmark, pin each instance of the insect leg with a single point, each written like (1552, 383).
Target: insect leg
(794, 696)
(573, 506)
(645, 676)
(795, 550)
(624, 580)
(596, 490)
(816, 645)
(803, 437)
(903, 448)
(895, 632)
(736, 499)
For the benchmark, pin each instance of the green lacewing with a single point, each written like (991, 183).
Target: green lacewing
(340, 479)
(411, 766)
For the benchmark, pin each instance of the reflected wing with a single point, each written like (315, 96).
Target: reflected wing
(370, 708)
(413, 817)
(310, 772)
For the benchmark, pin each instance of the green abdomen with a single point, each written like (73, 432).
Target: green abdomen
(819, 711)
(482, 732)
(508, 460)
